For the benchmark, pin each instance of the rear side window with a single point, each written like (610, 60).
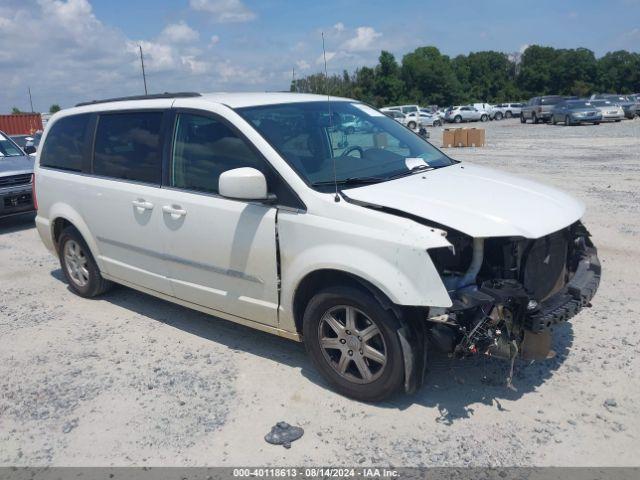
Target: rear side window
(203, 148)
(64, 146)
(127, 146)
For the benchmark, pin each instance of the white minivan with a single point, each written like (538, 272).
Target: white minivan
(370, 247)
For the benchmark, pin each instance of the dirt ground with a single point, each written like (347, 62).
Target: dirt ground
(131, 380)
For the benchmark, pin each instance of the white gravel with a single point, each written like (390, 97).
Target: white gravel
(131, 380)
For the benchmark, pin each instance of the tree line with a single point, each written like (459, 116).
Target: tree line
(427, 77)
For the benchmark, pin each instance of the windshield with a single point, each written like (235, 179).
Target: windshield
(8, 148)
(579, 104)
(375, 148)
(550, 100)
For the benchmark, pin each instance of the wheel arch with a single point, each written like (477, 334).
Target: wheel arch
(313, 281)
(63, 216)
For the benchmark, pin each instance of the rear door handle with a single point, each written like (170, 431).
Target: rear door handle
(142, 204)
(174, 210)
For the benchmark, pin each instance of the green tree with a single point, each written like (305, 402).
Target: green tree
(429, 77)
(619, 72)
(535, 71)
(15, 110)
(54, 108)
(388, 86)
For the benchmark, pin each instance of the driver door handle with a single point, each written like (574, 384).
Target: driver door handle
(174, 210)
(142, 204)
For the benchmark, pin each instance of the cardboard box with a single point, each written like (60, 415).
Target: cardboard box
(460, 137)
(448, 137)
(475, 137)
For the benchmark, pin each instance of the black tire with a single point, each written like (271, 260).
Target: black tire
(498, 116)
(412, 125)
(508, 114)
(567, 121)
(457, 119)
(484, 118)
(389, 378)
(437, 123)
(534, 118)
(596, 123)
(95, 285)
(523, 119)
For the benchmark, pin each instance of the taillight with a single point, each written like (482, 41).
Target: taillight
(33, 191)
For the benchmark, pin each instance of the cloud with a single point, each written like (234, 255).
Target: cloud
(364, 40)
(303, 65)
(215, 39)
(224, 11)
(339, 27)
(523, 47)
(179, 33)
(329, 55)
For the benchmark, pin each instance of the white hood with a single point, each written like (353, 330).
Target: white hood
(478, 201)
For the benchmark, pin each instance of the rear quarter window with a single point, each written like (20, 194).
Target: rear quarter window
(64, 146)
(127, 146)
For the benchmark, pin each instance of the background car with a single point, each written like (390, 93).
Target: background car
(28, 143)
(465, 113)
(429, 120)
(397, 115)
(538, 109)
(487, 108)
(628, 105)
(611, 112)
(575, 112)
(16, 176)
(507, 110)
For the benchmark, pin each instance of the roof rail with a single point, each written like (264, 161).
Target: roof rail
(142, 97)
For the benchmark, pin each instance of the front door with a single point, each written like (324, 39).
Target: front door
(221, 252)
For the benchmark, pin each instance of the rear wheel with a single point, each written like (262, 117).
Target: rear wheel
(508, 114)
(437, 123)
(354, 343)
(498, 116)
(78, 265)
(523, 119)
(457, 119)
(484, 118)
(412, 125)
(534, 118)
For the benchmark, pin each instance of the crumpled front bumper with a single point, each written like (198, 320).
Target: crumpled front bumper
(572, 298)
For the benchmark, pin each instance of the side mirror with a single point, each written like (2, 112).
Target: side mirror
(243, 183)
(29, 149)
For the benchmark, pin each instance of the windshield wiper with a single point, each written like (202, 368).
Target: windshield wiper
(417, 168)
(351, 181)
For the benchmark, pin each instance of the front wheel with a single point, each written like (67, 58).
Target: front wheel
(354, 343)
(484, 118)
(437, 123)
(508, 114)
(498, 116)
(534, 118)
(457, 119)
(412, 125)
(523, 119)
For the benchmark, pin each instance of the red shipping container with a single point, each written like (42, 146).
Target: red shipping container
(21, 123)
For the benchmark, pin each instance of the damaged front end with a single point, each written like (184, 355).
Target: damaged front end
(507, 293)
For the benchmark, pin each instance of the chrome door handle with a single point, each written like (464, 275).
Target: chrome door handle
(174, 211)
(142, 204)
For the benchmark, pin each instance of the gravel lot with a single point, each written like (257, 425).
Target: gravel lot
(128, 379)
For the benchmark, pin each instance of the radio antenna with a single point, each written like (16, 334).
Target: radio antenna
(326, 86)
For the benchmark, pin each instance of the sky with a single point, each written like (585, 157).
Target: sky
(69, 51)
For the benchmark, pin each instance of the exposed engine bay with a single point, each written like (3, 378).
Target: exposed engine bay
(507, 293)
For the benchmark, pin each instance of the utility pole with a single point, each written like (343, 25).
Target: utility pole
(30, 99)
(293, 79)
(144, 77)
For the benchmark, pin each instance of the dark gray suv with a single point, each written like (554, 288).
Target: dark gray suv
(16, 176)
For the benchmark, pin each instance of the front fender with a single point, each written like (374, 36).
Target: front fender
(394, 261)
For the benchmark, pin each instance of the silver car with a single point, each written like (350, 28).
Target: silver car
(507, 110)
(465, 113)
(611, 111)
(16, 174)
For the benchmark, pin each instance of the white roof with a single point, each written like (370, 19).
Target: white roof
(252, 99)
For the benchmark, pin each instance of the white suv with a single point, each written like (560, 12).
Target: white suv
(259, 209)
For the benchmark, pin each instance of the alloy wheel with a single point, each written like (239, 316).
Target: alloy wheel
(352, 344)
(76, 264)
